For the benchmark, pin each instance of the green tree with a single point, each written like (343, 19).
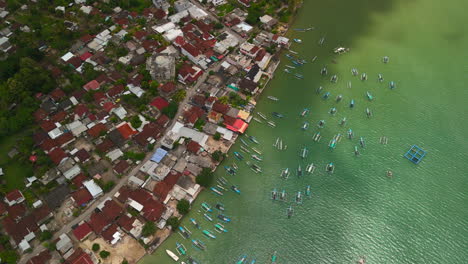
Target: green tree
(148, 229)
(183, 206)
(217, 155)
(104, 254)
(8, 256)
(173, 222)
(125, 261)
(96, 247)
(45, 235)
(217, 136)
(223, 99)
(135, 121)
(205, 178)
(171, 110)
(179, 96)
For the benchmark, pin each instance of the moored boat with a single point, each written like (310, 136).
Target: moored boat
(321, 41)
(274, 194)
(272, 98)
(289, 213)
(298, 198)
(319, 90)
(271, 123)
(262, 115)
(242, 259)
(368, 112)
(199, 244)
(285, 173)
(308, 192)
(220, 228)
(184, 232)
(274, 258)
(334, 78)
(354, 71)
(369, 96)
(362, 142)
(380, 77)
(224, 218)
(340, 50)
(257, 151)
(191, 260)
(257, 158)
(299, 76)
(172, 255)
(310, 168)
(343, 121)
(297, 40)
(253, 139)
(330, 167)
(235, 189)
(321, 124)
(278, 115)
(206, 207)
(219, 206)
(324, 71)
(392, 85)
(194, 222)
(305, 125)
(304, 152)
(385, 59)
(350, 133)
(238, 155)
(351, 104)
(356, 151)
(208, 217)
(216, 191)
(339, 97)
(282, 195)
(363, 77)
(208, 234)
(299, 171)
(181, 249)
(304, 112)
(317, 137)
(332, 111)
(326, 95)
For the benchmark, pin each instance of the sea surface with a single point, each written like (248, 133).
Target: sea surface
(420, 215)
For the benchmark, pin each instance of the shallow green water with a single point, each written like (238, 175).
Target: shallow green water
(418, 216)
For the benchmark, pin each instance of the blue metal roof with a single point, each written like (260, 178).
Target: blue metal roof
(158, 155)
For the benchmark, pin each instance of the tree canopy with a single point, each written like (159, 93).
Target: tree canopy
(183, 206)
(205, 178)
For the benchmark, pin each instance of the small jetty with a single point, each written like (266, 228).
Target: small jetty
(415, 154)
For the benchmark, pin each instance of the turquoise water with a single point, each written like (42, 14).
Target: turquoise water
(418, 216)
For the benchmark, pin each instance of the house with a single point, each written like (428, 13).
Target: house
(249, 49)
(79, 257)
(92, 85)
(72, 172)
(98, 222)
(193, 147)
(149, 134)
(93, 188)
(82, 197)
(248, 86)
(245, 3)
(57, 155)
(121, 167)
(268, 21)
(116, 90)
(189, 74)
(54, 198)
(64, 244)
(168, 87)
(14, 197)
(42, 258)
(112, 234)
(82, 155)
(82, 231)
(114, 154)
(235, 124)
(160, 103)
(126, 130)
(143, 202)
(97, 130)
(131, 225)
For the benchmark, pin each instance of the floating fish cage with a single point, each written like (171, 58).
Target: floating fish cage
(415, 154)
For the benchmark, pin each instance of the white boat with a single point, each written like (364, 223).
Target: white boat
(172, 255)
(262, 115)
(271, 123)
(340, 50)
(272, 98)
(258, 120)
(297, 40)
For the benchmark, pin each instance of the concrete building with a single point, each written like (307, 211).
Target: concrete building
(161, 67)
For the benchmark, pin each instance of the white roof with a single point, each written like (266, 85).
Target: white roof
(86, 9)
(244, 27)
(120, 112)
(114, 154)
(135, 90)
(135, 180)
(93, 188)
(178, 16)
(265, 19)
(37, 204)
(227, 134)
(64, 240)
(1, 171)
(225, 64)
(72, 172)
(24, 245)
(186, 132)
(163, 28)
(137, 206)
(67, 56)
(197, 12)
(55, 133)
(77, 127)
(172, 34)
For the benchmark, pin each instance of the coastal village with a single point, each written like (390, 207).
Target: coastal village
(145, 108)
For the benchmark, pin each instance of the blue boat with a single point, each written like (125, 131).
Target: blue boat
(326, 95)
(224, 218)
(235, 189)
(350, 133)
(351, 104)
(230, 170)
(209, 234)
(304, 112)
(369, 96)
(208, 217)
(242, 259)
(308, 190)
(238, 156)
(184, 232)
(206, 207)
(392, 85)
(253, 261)
(220, 228)
(194, 222)
(297, 40)
(278, 115)
(216, 191)
(198, 244)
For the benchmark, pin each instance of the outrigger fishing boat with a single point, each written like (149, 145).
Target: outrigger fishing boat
(321, 41)
(304, 29)
(362, 142)
(246, 150)
(299, 171)
(356, 151)
(334, 78)
(272, 98)
(333, 111)
(234, 166)
(326, 95)
(253, 139)
(242, 259)
(244, 142)
(220, 228)
(235, 189)
(285, 173)
(271, 123)
(297, 40)
(310, 168)
(349, 84)
(274, 257)
(282, 195)
(278, 115)
(299, 76)
(208, 217)
(194, 222)
(324, 71)
(216, 191)
(343, 121)
(340, 50)
(274, 194)
(298, 198)
(255, 168)
(257, 158)
(172, 255)
(257, 151)
(290, 67)
(308, 190)
(199, 244)
(238, 155)
(368, 112)
(289, 213)
(304, 152)
(351, 104)
(305, 125)
(332, 143)
(369, 96)
(317, 137)
(392, 85)
(305, 112)
(330, 168)
(220, 187)
(206, 207)
(380, 77)
(389, 173)
(219, 206)
(354, 71)
(262, 115)
(321, 124)
(208, 234)
(385, 59)
(314, 58)
(191, 260)
(319, 90)
(184, 232)
(289, 56)
(350, 133)
(230, 170)
(258, 120)
(339, 97)
(363, 77)
(253, 261)
(222, 180)
(287, 71)
(181, 249)
(383, 140)
(224, 218)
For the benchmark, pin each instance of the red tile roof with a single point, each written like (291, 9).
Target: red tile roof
(48, 144)
(79, 257)
(16, 211)
(82, 155)
(98, 222)
(124, 193)
(65, 138)
(86, 38)
(75, 62)
(47, 125)
(41, 214)
(102, 79)
(14, 195)
(82, 231)
(59, 117)
(92, 85)
(79, 179)
(40, 114)
(86, 56)
(116, 90)
(96, 130)
(162, 120)
(81, 110)
(82, 197)
(168, 87)
(99, 97)
(220, 108)
(152, 211)
(161, 189)
(108, 234)
(238, 125)
(112, 210)
(140, 34)
(149, 130)
(105, 146)
(108, 106)
(191, 49)
(57, 94)
(42, 258)
(159, 103)
(193, 147)
(126, 131)
(121, 167)
(189, 73)
(126, 222)
(57, 155)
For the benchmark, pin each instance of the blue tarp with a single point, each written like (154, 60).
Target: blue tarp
(158, 155)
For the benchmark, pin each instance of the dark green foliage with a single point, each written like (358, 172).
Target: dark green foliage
(218, 155)
(205, 178)
(96, 247)
(133, 155)
(148, 229)
(173, 222)
(217, 136)
(171, 110)
(135, 121)
(8, 256)
(183, 206)
(104, 254)
(46, 235)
